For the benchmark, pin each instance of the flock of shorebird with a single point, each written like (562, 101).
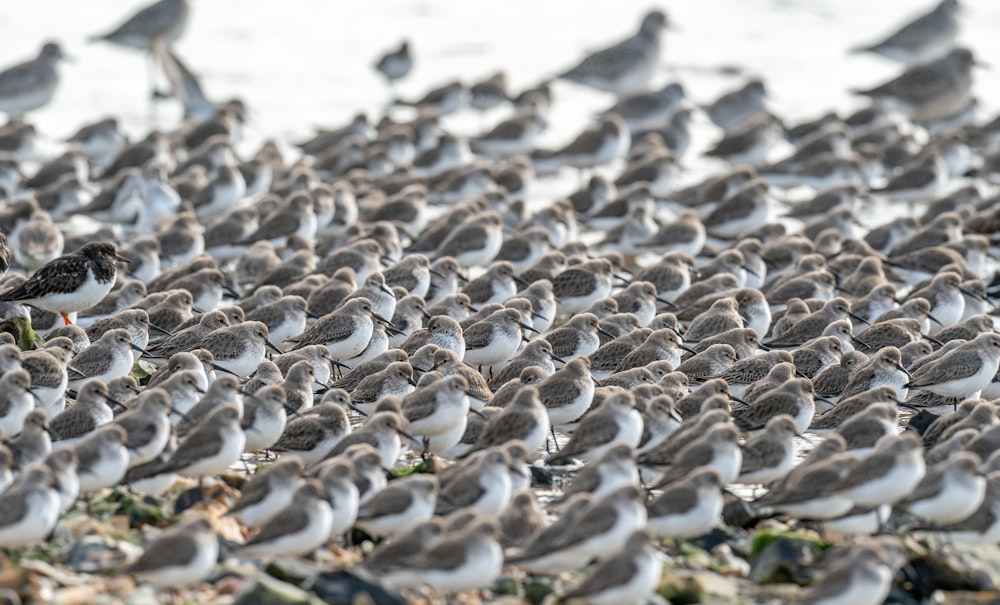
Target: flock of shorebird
(396, 293)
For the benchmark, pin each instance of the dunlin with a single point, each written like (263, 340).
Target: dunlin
(627, 66)
(337, 476)
(32, 444)
(238, 349)
(950, 492)
(964, 371)
(614, 423)
(481, 482)
(32, 84)
(183, 554)
(298, 386)
(734, 108)
(223, 390)
(16, 401)
(268, 492)
(400, 507)
(600, 530)
(526, 419)
(264, 417)
(925, 37)
(91, 410)
(794, 398)
(438, 409)
(311, 437)
(568, 393)
(892, 471)
(717, 448)
(769, 455)
(817, 491)
(213, 445)
(345, 332)
(32, 509)
(708, 364)
(933, 90)
(395, 380)
(863, 574)
(521, 522)
(689, 507)
(382, 430)
(298, 529)
(102, 458)
(455, 563)
(395, 64)
(982, 526)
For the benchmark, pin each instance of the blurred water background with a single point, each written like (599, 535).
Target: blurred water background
(306, 63)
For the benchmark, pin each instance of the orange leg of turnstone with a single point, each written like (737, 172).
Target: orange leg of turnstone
(66, 318)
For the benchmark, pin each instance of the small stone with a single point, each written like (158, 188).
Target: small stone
(540, 475)
(342, 587)
(736, 512)
(679, 588)
(785, 559)
(269, 591)
(921, 420)
(9, 597)
(535, 591)
(952, 571)
(84, 594)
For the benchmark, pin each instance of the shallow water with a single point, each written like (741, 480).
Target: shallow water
(302, 63)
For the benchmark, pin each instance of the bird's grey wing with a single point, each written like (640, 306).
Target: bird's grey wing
(290, 520)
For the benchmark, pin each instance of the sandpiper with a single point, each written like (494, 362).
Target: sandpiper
(689, 507)
(717, 448)
(164, 20)
(626, 67)
(614, 423)
(395, 64)
(312, 436)
(382, 430)
(183, 554)
(863, 574)
(462, 561)
(268, 492)
(239, 349)
(395, 380)
(211, 447)
(345, 332)
(33, 443)
(732, 109)
(31, 84)
(264, 417)
(102, 458)
(400, 507)
(962, 372)
(893, 470)
(929, 91)
(33, 508)
(107, 358)
(90, 411)
(598, 531)
(769, 455)
(925, 37)
(950, 492)
(494, 340)
(16, 401)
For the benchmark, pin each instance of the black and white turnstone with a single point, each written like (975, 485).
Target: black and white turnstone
(72, 282)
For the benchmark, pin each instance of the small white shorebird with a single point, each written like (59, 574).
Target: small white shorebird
(31, 84)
